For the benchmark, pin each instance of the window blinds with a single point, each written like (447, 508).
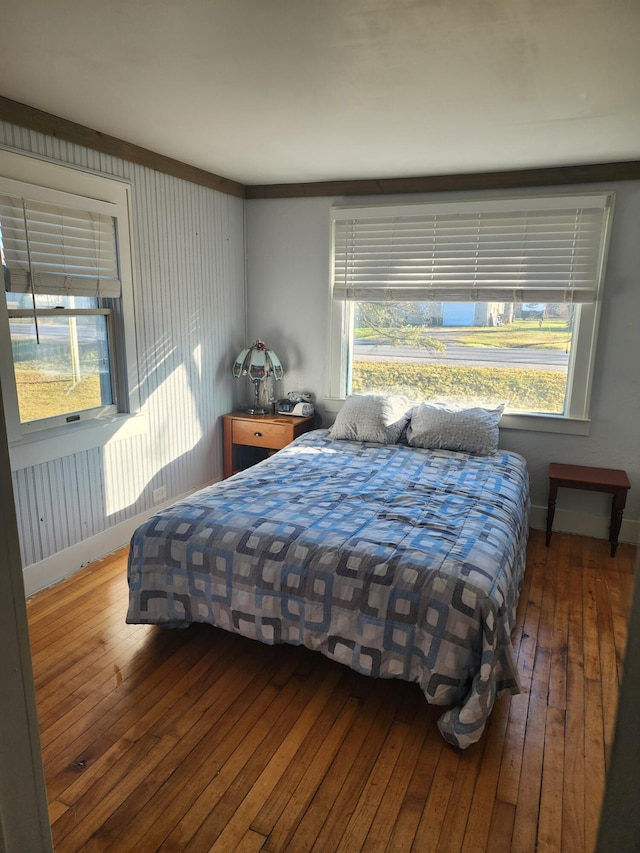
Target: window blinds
(508, 250)
(54, 249)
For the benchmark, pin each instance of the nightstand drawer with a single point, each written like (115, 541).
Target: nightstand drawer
(257, 434)
(249, 439)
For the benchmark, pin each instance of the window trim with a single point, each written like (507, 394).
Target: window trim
(30, 448)
(575, 421)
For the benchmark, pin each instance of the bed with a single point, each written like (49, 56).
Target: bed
(398, 561)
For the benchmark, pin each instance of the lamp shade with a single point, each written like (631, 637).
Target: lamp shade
(258, 362)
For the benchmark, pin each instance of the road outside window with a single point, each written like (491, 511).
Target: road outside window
(480, 353)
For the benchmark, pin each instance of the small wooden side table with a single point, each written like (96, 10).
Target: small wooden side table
(264, 433)
(611, 480)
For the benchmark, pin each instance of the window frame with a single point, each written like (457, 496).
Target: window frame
(81, 415)
(29, 446)
(575, 420)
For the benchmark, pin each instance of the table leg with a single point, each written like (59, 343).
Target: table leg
(617, 508)
(551, 509)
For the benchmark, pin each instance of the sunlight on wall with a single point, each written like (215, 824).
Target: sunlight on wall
(197, 359)
(174, 429)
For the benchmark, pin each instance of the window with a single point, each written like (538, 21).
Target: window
(60, 269)
(483, 302)
(68, 332)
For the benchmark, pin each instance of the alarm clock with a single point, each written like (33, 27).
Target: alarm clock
(297, 404)
(302, 410)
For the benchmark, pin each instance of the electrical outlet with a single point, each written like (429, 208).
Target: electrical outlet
(159, 494)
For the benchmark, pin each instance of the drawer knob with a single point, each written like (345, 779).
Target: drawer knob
(258, 434)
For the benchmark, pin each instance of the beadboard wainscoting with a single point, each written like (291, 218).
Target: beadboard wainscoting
(189, 297)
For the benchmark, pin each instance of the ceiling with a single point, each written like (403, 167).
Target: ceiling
(279, 91)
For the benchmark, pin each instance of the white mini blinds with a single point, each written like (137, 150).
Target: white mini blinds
(533, 249)
(55, 249)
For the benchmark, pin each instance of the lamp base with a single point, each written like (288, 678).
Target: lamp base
(255, 408)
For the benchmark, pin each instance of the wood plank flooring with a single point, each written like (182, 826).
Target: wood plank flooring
(201, 740)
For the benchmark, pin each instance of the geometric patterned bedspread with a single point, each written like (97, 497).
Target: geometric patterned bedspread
(398, 562)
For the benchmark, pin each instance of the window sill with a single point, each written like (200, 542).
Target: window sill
(73, 438)
(546, 423)
(532, 423)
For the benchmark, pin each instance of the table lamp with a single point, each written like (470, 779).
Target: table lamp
(258, 362)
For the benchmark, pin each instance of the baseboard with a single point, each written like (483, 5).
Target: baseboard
(584, 524)
(65, 563)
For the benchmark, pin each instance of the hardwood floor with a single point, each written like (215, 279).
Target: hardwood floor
(199, 740)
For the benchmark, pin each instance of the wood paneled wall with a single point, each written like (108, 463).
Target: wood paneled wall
(189, 292)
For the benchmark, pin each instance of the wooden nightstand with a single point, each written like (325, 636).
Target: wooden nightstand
(250, 438)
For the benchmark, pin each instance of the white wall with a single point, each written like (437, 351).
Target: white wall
(288, 248)
(188, 248)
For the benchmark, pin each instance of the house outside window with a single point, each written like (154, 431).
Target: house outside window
(66, 323)
(483, 303)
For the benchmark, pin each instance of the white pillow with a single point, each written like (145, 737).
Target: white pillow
(472, 430)
(371, 417)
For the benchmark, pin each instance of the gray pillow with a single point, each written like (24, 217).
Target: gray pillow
(472, 430)
(371, 417)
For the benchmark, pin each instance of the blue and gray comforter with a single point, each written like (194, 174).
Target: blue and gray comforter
(398, 562)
